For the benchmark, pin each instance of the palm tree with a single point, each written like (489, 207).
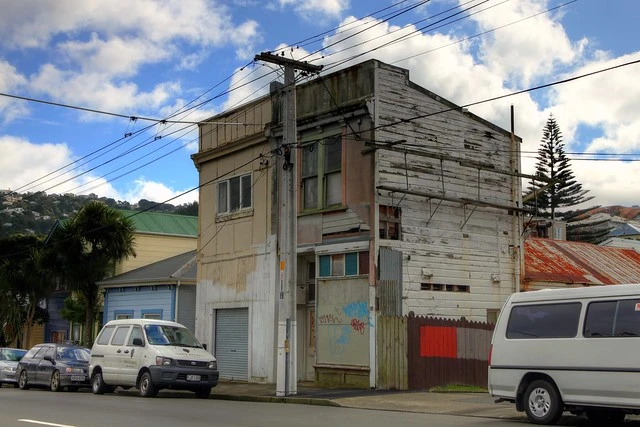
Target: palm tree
(86, 248)
(25, 279)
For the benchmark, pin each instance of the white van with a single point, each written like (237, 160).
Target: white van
(574, 349)
(150, 355)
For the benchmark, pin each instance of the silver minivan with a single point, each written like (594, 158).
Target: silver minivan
(573, 349)
(151, 355)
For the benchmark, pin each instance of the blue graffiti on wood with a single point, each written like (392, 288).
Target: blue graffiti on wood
(340, 334)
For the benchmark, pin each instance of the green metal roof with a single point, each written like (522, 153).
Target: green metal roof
(163, 223)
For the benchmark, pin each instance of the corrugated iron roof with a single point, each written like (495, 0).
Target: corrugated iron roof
(163, 223)
(171, 270)
(562, 261)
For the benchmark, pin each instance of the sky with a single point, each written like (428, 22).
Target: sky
(102, 97)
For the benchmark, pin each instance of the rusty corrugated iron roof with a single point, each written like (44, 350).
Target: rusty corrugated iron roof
(561, 261)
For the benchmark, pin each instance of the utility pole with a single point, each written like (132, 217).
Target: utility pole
(286, 375)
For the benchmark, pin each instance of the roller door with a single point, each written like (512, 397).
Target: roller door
(232, 343)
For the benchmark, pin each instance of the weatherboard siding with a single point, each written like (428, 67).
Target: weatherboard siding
(152, 248)
(237, 264)
(140, 300)
(445, 242)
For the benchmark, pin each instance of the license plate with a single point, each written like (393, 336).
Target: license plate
(77, 378)
(193, 377)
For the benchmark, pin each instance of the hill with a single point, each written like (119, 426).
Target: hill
(35, 213)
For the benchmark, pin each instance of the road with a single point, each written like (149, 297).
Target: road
(33, 408)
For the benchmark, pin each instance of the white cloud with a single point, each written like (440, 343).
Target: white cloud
(22, 162)
(26, 167)
(528, 50)
(95, 69)
(159, 192)
(99, 92)
(317, 9)
(11, 81)
(117, 56)
(31, 23)
(608, 100)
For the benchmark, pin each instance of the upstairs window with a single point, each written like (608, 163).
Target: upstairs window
(322, 173)
(234, 194)
(390, 219)
(345, 264)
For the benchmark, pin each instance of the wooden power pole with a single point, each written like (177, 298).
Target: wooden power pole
(286, 375)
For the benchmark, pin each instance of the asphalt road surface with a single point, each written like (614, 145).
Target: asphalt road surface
(33, 408)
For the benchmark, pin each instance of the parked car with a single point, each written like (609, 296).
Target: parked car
(9, 358)
(572, 350)
(55, 366)
(151, 355)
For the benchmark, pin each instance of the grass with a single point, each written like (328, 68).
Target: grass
(457, 388)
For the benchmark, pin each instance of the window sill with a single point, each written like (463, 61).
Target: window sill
(329, 209)
(355, 276)
(221, 217)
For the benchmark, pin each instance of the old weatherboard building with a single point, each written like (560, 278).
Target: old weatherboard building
(406, 203)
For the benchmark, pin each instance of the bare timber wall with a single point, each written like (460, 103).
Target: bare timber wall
(391, 334)
(459, 258)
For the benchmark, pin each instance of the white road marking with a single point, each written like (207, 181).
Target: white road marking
(44, 423)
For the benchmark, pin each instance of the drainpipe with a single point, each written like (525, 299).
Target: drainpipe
(175, 312)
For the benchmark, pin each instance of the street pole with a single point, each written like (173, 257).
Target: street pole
(286, 375)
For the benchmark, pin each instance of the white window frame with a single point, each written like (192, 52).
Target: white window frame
(224, 201)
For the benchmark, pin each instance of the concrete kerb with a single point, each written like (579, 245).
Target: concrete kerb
(276, 399)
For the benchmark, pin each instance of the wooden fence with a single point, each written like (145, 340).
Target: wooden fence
(417, 353)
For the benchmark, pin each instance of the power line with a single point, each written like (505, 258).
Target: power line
(418, 30)
(317, 37)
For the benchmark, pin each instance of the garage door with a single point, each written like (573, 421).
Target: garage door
(232, 343)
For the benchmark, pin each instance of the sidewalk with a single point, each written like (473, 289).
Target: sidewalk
(465, 404)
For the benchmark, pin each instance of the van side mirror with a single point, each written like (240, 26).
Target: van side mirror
(50, 359)
(138, 342)
(204, 346)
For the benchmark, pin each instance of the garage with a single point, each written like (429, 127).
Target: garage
(232, 343)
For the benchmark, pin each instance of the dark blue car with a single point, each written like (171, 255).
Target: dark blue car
(56, 366)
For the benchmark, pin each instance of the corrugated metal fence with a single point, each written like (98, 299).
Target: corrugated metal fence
(417, 353)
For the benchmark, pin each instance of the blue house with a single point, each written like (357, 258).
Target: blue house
(163, 290)
(158, 237)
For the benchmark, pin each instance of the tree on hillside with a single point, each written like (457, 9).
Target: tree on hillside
(86, 248)
(553, 164)
(25, 280)
(187, 209)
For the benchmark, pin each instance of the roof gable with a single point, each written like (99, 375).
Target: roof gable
(171, 270)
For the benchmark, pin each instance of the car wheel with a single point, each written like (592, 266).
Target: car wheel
(97, 384)
(147, 389)
(54, 384)
(203, 393)
(542, 403)
(22, 380)
(601, 417)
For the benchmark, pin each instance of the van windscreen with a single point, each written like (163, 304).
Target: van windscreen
(170, 335)
(544, 321)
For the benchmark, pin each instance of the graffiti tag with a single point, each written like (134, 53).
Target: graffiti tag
(358, 326)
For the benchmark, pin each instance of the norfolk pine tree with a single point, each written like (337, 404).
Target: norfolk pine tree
(552, 163)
